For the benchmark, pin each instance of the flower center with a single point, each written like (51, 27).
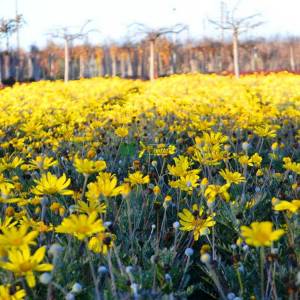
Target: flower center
(83, 229)
(17, 241)
(26, 266)
(198, 222)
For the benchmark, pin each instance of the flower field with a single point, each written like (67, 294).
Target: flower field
(186, 187)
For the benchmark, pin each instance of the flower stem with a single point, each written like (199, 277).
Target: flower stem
(113, 283)
(262, 264)
(240, 281)
(84, 185)
(95, 280)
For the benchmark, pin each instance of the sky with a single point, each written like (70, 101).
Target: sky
(111, 18)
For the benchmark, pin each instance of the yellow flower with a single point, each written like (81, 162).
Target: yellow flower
(14, 237)
(6, 195)
(6, 223)
(7, 294)
(260, 234)
(265, 131)
(102, 242)
(291, 207)
(5, 182)
(212, 138)
(195, 221)
(40, 226)
(90, 207)
(124, 189)
(137, 178)
(40, 162)
(232, 177)
(88, 167)
(121, 132)
(182, 164)
(7, 163)
(245, 160)
(291, 166)
(256, 159)
(106, 185)
(212, 191)
(23, 264)
(209, 148)
(159, 150)
(49, 184)
(186, 183)
(81, 226)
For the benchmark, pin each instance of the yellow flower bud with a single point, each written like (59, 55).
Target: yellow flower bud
(259, 172)
(37, 210)
(239, 241)
(168, 198)
(275, 201)
(204, 181)
(274, 146)
(61, 211)
(156, 190)
(91, 153)
(205, 249)
(10, 211)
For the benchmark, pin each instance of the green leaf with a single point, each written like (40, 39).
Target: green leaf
(127, 149)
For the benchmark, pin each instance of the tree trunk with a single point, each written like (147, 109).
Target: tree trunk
(6, 62)
(113, 66)
(81, 67)
(221, 57)
(235, 45)
(66, 77)
(100, 67)
(51, 67)
(30, 68)
(253, 60)
(152, 59)
(140, 66)
(0, 69)
(129, 67)
(174, 58)
(122, 67)
(292, 59)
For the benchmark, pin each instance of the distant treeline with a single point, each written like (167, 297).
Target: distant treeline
(132, 60)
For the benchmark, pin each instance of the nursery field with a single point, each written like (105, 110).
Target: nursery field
(187, 187)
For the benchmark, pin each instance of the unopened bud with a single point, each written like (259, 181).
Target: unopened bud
(205, 258)
(76, 288)
(45, 278)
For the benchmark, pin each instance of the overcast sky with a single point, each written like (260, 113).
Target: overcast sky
(112, 17)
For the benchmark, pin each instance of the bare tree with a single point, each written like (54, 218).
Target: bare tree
(237, 26)
(151, 36)
(64, 34)
(19, 20)
(7, 28)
